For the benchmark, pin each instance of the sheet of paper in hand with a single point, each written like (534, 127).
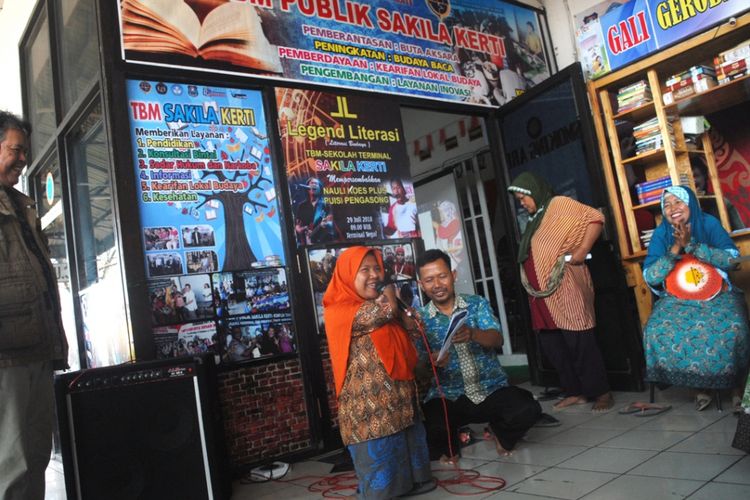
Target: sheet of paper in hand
(457, 320)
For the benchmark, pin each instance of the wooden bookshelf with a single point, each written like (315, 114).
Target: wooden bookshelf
(673, 158)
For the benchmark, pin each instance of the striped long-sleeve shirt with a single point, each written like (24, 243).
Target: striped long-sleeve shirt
(562, 229)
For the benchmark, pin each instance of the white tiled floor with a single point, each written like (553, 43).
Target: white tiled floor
(679, 454)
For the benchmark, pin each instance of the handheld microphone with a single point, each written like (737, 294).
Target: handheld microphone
(380, 287)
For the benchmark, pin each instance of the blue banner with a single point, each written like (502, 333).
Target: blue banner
(628, 33)
(611, 36)
(206, 188)
(482, 52)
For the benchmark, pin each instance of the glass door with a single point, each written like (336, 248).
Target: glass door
(101, 294)
(47, 185)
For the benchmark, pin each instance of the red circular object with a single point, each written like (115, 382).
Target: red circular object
(692, 279)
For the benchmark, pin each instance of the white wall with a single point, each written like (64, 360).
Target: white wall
(13, 19)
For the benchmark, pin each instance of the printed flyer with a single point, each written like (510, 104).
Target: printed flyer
(482, 52)
(347, 166)
(206, 188)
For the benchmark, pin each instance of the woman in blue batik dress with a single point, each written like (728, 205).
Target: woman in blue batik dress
(697, 334)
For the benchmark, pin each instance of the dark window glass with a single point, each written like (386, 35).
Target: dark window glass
(39, 89)
(92, 190)
(78, 48)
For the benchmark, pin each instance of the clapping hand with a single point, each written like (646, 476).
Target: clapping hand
(681, 234)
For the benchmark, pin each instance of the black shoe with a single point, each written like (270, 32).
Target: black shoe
(546, 420)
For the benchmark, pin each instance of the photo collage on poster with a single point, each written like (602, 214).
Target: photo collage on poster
(195, 314)
(210, 218)
(399, 262)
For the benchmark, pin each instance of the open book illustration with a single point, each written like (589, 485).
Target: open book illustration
(457, 320)
(225, 31)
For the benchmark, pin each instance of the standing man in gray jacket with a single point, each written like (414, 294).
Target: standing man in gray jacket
(32, 341)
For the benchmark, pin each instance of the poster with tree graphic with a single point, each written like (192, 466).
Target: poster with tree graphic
(206, 187)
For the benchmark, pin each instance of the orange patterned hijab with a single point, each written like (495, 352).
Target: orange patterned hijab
(341, 303)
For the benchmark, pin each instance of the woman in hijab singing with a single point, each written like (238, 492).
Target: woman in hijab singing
(373, 368)
(697, 334)
(553, 248)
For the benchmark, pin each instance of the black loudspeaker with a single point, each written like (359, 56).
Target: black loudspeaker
(144, 431)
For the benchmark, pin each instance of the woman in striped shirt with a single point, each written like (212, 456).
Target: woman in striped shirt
(561, 293)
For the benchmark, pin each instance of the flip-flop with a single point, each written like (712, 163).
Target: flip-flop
(649, 410)
(702, 401)
(632, 408)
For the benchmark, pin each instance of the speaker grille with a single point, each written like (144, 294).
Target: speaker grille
(132, 437)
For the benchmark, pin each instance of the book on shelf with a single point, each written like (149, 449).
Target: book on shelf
(739, 51)
(633, 96)
(700, 83)
(725, 67)
(655, 137)
(646, 132)
(648, 136)
(654, 192)
(643, 201)
(648, 123)
(640, 84)
(691, 72)
(732, 78)
(733, 69)
(644, 187)
(650, 147)
(228, 31)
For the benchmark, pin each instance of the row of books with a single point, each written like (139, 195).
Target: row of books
(651, 190)
(727, 66)
(693, 80)
(648, 136)
(733, 63)
(633, 96)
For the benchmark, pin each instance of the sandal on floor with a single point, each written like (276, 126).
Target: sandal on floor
(702, 401)
(651, 409)
(632, 408)
(640, 409)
